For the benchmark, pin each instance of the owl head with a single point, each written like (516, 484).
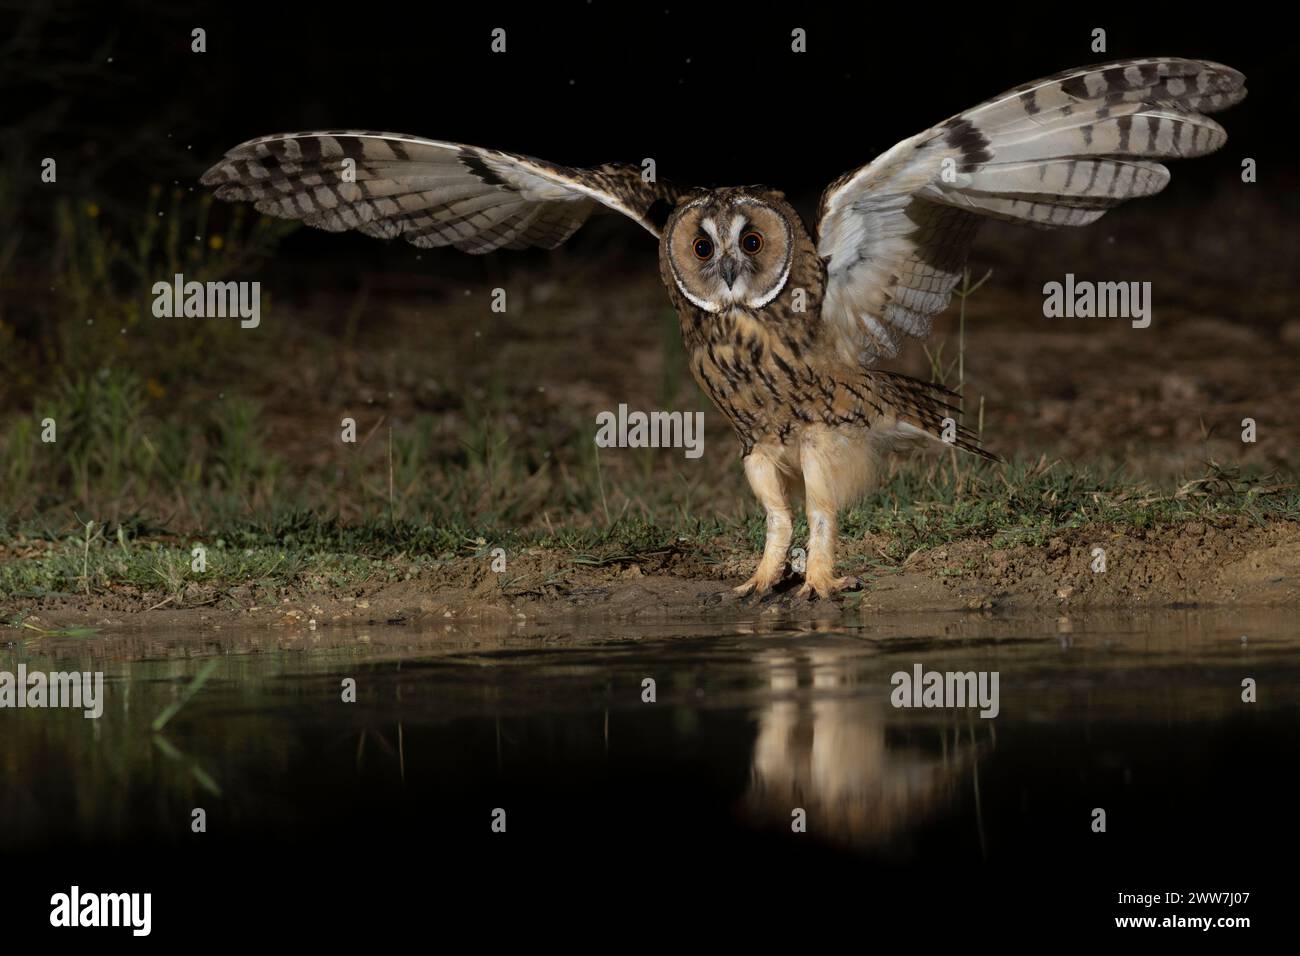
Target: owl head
(731, 247)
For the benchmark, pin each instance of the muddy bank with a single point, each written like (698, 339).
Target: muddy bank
(1190, 565)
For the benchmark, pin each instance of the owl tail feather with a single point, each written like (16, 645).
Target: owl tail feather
(926, 410)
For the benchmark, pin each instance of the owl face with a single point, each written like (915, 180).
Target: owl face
(730, 247)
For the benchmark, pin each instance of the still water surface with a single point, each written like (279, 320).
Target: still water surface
(658, 806)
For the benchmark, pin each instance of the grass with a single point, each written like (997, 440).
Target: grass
(124, 445)
(302, 553)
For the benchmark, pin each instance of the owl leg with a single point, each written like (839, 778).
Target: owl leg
(824, 484)
(770, 488)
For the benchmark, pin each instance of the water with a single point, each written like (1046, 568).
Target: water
(333, 818)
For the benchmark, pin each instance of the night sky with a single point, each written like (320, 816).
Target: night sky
(714, 94)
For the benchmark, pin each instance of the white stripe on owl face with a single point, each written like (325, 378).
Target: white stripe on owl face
(724, 232)
(723, 295)
(737, 223)
(776, 290)
(739, 293)
(708, 305)
(731, 226)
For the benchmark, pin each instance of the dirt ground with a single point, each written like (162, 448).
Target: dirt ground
(1193, 565)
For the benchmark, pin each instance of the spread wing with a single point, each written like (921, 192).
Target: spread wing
(1056, 152)
(431, 193)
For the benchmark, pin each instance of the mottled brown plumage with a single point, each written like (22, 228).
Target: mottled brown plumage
(774, 369)
(782, 326)
(750, 287)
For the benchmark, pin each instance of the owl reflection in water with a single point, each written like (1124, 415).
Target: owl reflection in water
(782, 324)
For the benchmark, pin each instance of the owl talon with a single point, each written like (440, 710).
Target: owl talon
(826, 588)
(750, 589)
(758, 586)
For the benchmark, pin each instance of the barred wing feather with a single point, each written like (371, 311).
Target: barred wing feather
(428, 192)
(1059, 151)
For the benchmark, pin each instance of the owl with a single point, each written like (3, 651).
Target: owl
(784, 324)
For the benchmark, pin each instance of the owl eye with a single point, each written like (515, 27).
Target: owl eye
(751, 242)
(703, 248)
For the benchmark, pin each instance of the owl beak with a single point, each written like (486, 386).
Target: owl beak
(728, 269)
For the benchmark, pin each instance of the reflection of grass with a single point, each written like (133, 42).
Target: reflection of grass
(192, 688)
(18, 621)
(75, 778)
(169, 750)
(201, 776)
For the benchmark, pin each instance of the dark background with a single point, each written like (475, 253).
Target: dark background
(712, 92)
